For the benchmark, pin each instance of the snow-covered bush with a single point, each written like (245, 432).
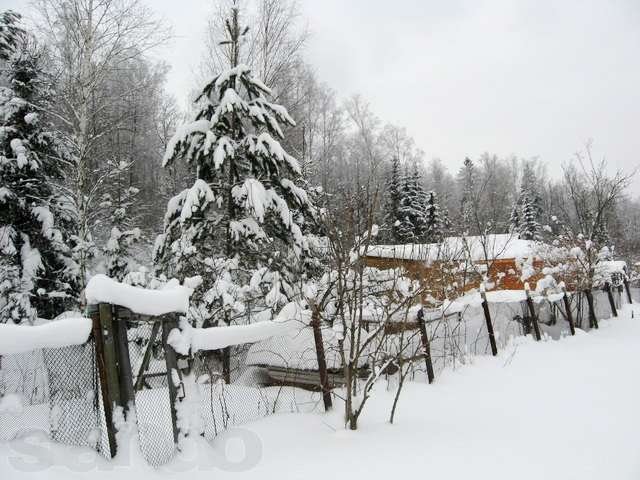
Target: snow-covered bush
(360, 304)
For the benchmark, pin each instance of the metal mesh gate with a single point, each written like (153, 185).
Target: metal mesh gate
(152, 401)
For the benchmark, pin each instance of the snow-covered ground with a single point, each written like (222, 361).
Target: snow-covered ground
(565, 409)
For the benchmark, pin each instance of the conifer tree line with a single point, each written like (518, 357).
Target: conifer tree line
(102, 171)
(411, 213)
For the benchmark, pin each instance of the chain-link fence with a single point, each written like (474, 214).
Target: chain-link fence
(263, 382)
(55, 391)
(455, 336)
(254, 390)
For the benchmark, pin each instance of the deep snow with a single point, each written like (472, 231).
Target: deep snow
(564, 409)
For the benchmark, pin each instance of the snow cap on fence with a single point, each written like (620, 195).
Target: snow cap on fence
(172, 299)
(53, 334)
(474, 299)
(215, 338)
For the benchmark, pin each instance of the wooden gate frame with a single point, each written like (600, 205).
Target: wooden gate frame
(114, 364)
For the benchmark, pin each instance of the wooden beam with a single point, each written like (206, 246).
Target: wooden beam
(628, 289)
(111, 360)
(147, 356)
(426, 347)
(101, 363)
(487, 318)
(534, 317)
(125, 375)
(123, 313)
(593, 321)
(171, 360)
(612, 303)
(226, 364)
(106, 369)
(569, 313)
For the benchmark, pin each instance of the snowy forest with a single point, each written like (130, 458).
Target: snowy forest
(88, 161)
(274, 246)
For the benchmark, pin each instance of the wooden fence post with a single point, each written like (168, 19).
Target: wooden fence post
(226, 364)
(628, 289)
(487, 318)
(534, 318)
(111, 359)
(612, 303)
(425, 345)
(226, 356)
(593, 321)
(171, 360)
(322, 361)
(107, 372)
(567, 307)
(125, 375)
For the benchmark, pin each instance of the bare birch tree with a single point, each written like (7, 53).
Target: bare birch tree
(89, 41)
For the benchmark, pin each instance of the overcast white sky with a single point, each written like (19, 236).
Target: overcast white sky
(536, 78)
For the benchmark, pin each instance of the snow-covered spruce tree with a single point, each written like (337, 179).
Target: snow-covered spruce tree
(530, 188)
(392, 203)
(529, 228)
(10, 33)
(119, 204)
(525, 219)
(514, 219)
(411, 224)
(434, 222)
(37, 274)
(420, 204)
(241, 226)
(405, 225)
(466, 178)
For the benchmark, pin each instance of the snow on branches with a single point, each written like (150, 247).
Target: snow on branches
(248, 208)
(37, 273)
